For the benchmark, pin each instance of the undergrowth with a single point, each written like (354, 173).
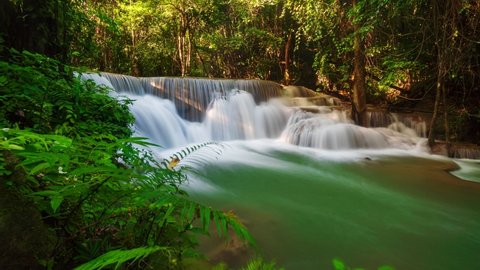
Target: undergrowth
(66, 150)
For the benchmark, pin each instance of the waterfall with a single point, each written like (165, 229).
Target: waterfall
(232, 117)
(191, 96)
(174, 112)
(334, 130)
(236, 116)
(379, 118)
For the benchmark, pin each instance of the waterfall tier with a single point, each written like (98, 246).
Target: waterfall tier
(191, 96)
(174, 112)
(334, 131)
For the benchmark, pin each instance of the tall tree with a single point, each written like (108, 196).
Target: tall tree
(359, 100)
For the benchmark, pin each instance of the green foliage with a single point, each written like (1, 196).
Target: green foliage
(254, 264)
(41, 93)
(164, 37)
(260, 264)
(100, 195)
(118, 257)
(248, 39)
(338, 264)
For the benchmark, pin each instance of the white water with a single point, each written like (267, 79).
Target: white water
(234, 114)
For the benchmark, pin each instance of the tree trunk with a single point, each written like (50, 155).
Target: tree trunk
(431, 132)
(443, 21)
(445, 123)
(286, 72)
(134, 57)
(181, 54)
(188, 58)
(181, 44)
(359, 100)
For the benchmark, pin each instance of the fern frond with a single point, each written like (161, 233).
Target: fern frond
(175, 158)
(260, 264)
(223, 221)
(118, 257)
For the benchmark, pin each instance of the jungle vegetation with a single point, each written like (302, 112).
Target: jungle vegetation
(408, 55)
(69, 167)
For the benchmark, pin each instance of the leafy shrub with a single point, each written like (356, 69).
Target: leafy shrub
(40, 93)
(65, 146)
(103, 196)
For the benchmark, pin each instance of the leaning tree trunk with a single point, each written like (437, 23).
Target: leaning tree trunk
(359, 100)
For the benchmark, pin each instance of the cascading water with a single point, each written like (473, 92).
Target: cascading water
(397, 122)
(309, 184)
(334, 131)
(191, 96)
(227, 113)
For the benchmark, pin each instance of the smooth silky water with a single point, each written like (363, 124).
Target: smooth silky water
(306, 207)
(311, 187)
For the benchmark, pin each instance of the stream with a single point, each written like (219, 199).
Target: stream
(309, 185)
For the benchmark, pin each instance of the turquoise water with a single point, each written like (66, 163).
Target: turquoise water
(306, 207)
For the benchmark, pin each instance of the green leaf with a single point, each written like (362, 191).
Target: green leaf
(338, 264)
(205, 217)
(119, 257)
(46, 193)
(55, 202)
(217, 223)
(39, 167)
(386, 267)
(3, 80)
(168, 213)
(90, 170)
(14, 147)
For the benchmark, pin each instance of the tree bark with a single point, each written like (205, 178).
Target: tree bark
(445, 123)
(286, 72)
(184, 44)
(431, 132)
(359, 100)
(443, 19)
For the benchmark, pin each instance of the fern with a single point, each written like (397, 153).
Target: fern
(119, 257)
(96, 192)
(260, 264)
(222, 221)
(175, 158)
(338, 264)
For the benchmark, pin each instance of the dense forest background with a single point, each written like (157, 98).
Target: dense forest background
(415, 54)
